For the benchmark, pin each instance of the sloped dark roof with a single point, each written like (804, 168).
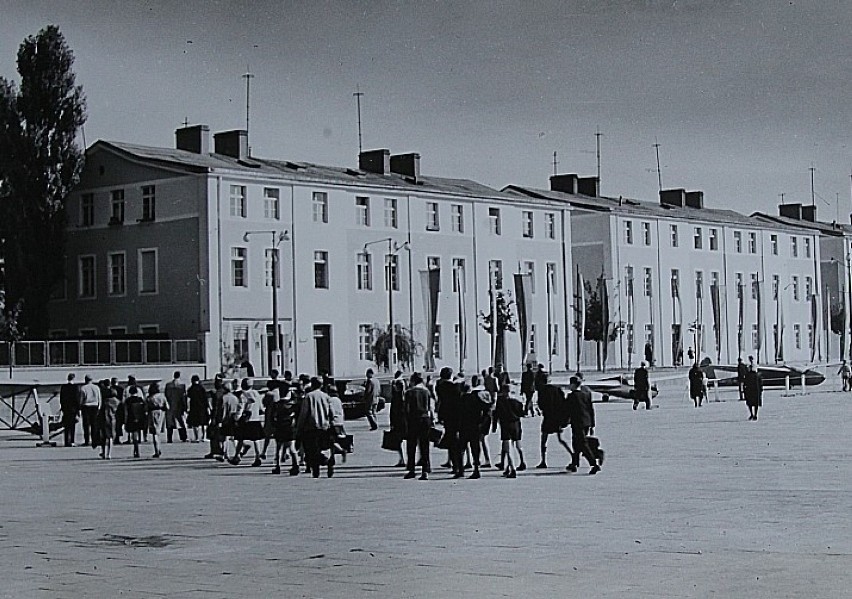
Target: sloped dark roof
(834, 229)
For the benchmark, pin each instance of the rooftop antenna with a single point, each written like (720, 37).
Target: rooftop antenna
(358, 93)
(837, 207)
(555, 163)
(812, 169)
(781, 195)
(185, 122)
(248, 77)
(598, 136)
(659, 172)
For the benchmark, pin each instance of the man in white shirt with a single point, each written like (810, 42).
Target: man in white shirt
(90, 403)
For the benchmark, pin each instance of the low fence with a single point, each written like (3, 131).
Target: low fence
(99, 352)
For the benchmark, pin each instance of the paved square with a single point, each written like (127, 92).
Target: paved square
(690, 503)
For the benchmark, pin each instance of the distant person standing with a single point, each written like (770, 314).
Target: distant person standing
(176, 417)
(696, 384)
(157, 405)
(90, 403)
(527, 388)
(107, 419)
(449, 414)
(641, 386)
(474, 410)
(397, 412)
(199, 408)
(541, 378)
(136, 417)
(69, 403)
(371, 399)
(753, 388)
(845, 375)
(418, 423)
(742, 370)
(690, 355)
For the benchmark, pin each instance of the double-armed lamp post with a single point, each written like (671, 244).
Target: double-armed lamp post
(393, 249)
(277, 238)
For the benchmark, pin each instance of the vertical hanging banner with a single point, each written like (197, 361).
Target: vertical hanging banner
(779, 328)
(605, 318)
(815, 346)
(462, 317)
(717, 320)
(740, 319)
(430, 281)
(523, 302)
(677, 342)
(579, 313)
(758, 341)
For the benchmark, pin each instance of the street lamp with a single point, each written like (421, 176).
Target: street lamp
(277, 238)
(393, 249)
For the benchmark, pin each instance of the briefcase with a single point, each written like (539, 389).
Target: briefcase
(435, 435)
(391, 440)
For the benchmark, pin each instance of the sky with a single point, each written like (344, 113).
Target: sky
(744, 98)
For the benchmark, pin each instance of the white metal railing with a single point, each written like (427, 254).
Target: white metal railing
(97, 352)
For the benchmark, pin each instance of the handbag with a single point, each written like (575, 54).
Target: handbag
(391, 440)
(447, 441)
(435, 435)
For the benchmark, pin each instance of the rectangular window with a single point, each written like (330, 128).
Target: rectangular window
(550, 225)
(807, 247)
(272, 268)
(392, 272)
(794, 246)
(773, 244)
(241, 343)
(319, 202)
(86, 278)
(117, 273)
(457, 211)
(149, 203)
(391, 219)
(754, 283)
(810, 335)
(628, 232)
(271, 203)
(365, 342)
(628, 280)
(436, 346)
(364, 271)
(87, 209)
(797, 336)
(88, 333)
(456, 340)
(675, 282)
(433, 222)
(239, 276)
(148, 271)
(795, 288)
(117, 215)
(755, 338)
(494, 221)
(649, 335)
(117, 331)
(738, 242)
(648, 290)
(550, 273)
(674, 235)
(458, 275)
(808, 288)
(434, 263)
(714, 240)
(527, 219)
(739, 283)
(714, 279)
(697, 238)
(646, 233)
(495, 270)
(238, 200)
(362, 211)
(529, 268)
(321, 269)
(532, 339)
(699, 284)
(153, 329)
(776, 282)
(554, 339)
(752, 243)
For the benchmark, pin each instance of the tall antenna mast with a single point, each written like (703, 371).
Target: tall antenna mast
(598, 136)
(555, 163)
(812, 169)
(659, 171)
(358, 93)
(781, 195)
(248, 77)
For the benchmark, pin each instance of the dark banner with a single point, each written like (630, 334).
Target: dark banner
(430, 283)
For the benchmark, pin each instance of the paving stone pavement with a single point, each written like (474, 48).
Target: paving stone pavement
(690, 503)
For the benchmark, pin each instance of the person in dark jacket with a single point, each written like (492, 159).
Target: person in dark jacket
(742, 370)
(641, 386)
(552, 404)
(581, 417)
(371, 398)
(107, 419)
(540, 381)
(527, 388)
(69, 403)
(449, 414)
(508, 413)
(696, 384)
(753, 390)
(199, 408)
(283, 410)
(136, 417)
(397, 411)
(475, 410)
(417, 403)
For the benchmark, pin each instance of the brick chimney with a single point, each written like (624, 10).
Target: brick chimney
(793, 211)
(232, 143)
(407, 165)
(565, 183)
(673, 197)
(589, 186)
(695, 199)
(195, 139)
(375, 161)
(809, 213)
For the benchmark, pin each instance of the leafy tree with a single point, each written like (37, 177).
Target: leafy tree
(505, 322)
(594, 329)
(10, 330)
(40, 162)
(837, 320)
(406, 347)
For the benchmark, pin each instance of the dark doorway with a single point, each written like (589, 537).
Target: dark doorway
(270, 364)
(322, 347)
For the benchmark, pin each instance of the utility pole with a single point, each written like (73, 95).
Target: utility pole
(358, 93)
(248, 77)
(555, 163)
(598, 136)
(812, 169)
(659, 172)
(781, 195)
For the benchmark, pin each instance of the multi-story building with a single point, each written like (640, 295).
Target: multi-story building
(188, 243)
(682, 276)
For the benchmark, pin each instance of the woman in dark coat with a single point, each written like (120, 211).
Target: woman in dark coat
(696, 384)
(199, 409)
(107, 419)
(136, 417)
(398, 424)
(475, 408)
(753, 391)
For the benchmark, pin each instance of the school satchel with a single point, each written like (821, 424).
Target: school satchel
(595, 446)
(391, 440)
(435, 435)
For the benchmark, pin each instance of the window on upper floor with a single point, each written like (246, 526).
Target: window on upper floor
(392, 272)
(795, 283)
(433, 219)
(807, 241)
(87, 210)
(673, 233)
(697, 238)
(754, 286)
(237, 197)
(271, 203)
(699, 284)
(364, 271)
(457, 211)
(550, 274)
(86, 288)
(738, 242)
(495, 271)
(739, 284)
(116, 265)
(776, 282)
(529, 269)
(148, 271)
(628, 232)
(271, 267)
(773, 244)
(320, 269)
(675, 282)
(809, 287)
(494, 221)
(319, 202)
(117, 214)
(149, 203)
(794, 246)
(649, 291)
(527, 220)
(239, 266)
(362, 211)
(391, 216)
(458, 275)
(646, 233)
(550, 225)
(752, 243)
(434, 263)
(628, 281)
(714, 240)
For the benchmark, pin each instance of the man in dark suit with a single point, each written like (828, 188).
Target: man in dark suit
(69, 403)
(742, 369)
(641, 386)
(417, 404)
(581, 417)
(449, 413)
(528, 388)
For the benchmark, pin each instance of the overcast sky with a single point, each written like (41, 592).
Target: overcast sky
(743, 97)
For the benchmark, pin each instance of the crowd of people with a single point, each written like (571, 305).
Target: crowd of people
(303, 419)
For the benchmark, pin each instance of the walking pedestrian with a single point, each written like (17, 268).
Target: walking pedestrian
(119, 412)
(371, 399)
(581, 417)
(397, 412)
(90, 404)
(69, 403)
(552, 404)
(176, 416)
(418, 423)
(313, 426)
(527, 388)
(845, 375)
(136, 417)
(475, 408)
(107, 419)
(449, 414)
(541, 378)
(158, 405)
(641, 386)
(214, 427)
(753, 388)
(229, 412)
(199, 409)
(742, 370)
(697, 386)
(283, 411)
(508, 413)
(249, 423)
